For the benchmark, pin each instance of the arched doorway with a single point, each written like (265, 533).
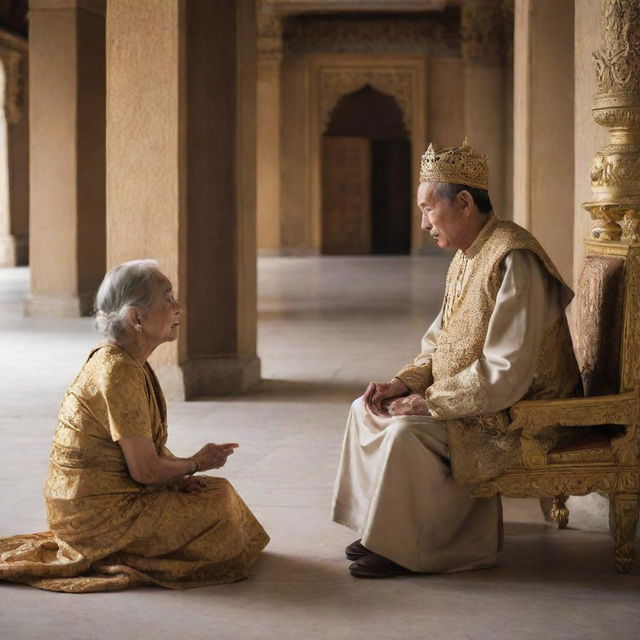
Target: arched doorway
(366, 176)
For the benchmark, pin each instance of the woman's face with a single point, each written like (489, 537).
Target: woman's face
(161, 319)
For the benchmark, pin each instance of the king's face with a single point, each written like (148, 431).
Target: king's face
(442, 220)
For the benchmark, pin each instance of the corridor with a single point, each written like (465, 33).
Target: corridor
(326, 327)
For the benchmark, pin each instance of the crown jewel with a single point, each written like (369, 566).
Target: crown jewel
(458, 165)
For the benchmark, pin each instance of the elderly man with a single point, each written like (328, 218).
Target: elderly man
(413, 445)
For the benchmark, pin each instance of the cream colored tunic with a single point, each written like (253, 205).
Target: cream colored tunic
(394, 484)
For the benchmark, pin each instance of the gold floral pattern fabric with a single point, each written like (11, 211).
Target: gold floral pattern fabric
(479, 443)
(108, 532)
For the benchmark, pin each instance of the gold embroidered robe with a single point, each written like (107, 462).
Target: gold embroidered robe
(479, 443)
(107, 532)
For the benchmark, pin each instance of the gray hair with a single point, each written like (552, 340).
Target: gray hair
(127, 286)
(448, 191)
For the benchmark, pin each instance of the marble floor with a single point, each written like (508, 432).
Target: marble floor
(327, 327)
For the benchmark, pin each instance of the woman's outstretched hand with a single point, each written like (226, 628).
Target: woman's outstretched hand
(214, 456)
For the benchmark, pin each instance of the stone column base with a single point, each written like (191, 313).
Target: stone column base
(208, 377)
(298, 251)
(59, 305)
(14, 251)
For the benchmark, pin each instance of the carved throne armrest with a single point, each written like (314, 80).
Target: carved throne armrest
(534, 417)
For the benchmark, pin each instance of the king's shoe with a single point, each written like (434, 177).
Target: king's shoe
(356, 550)
(374, 566)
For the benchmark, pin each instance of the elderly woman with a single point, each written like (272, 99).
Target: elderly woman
(122, 509)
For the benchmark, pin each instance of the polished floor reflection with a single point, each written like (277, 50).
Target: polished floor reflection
(327, 326)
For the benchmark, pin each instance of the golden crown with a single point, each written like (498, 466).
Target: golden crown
(458, 165)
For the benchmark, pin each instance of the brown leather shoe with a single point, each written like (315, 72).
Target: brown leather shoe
(356, 550)
(374, 566)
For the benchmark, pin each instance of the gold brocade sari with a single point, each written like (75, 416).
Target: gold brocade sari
(107, 532)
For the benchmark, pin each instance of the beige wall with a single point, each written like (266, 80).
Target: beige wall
(507, 203)
(295, 200)
(543, 126)
(445, 102)
(268, 155)
(485, 122)
(589, 136)
(445, 115)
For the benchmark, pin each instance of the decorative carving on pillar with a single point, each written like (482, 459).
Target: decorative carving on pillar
(615, 173)
(335, 83)
(483, 33)
(269, 32)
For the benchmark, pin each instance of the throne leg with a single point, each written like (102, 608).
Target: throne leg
(546, 504)
(559, 511)
(623, 516)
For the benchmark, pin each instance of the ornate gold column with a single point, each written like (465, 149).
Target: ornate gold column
(14, 152)
(615, 173)
(483, 54)
(615, 206)
(269, 39)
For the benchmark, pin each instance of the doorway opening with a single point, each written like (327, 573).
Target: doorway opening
(366, 177)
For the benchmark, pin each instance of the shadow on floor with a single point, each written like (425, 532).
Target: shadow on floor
(530, 561)
(273, 390)
(540, 553)
(277, 567)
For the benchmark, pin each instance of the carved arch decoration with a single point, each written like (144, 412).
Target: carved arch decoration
(331, 77)
(334, 84)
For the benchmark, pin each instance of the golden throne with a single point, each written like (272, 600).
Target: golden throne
(577, 446)
(581, 445)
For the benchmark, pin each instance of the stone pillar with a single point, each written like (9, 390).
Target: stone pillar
(483, 52)
(67, 155)
(14, 152)
(543, 125)
(268, 133)
(181, 187)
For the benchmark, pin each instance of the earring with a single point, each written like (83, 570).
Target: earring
(138, 327)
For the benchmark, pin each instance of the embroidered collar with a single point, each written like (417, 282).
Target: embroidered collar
(482, 237)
